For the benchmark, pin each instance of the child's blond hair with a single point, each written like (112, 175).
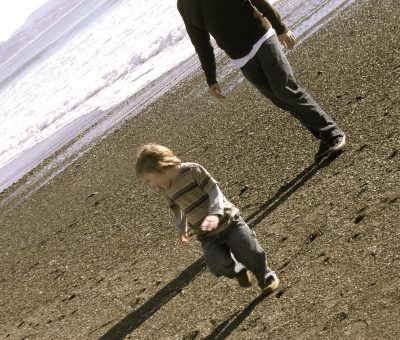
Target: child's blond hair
(155, 158)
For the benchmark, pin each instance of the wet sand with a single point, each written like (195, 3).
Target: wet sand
(92, 254)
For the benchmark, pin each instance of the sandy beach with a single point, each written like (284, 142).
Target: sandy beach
(92, 254)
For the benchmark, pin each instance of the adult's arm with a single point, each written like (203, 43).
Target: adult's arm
(200, 39)
(271, 14)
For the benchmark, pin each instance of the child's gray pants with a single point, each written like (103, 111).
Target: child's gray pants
(240, 241)
(270, 72)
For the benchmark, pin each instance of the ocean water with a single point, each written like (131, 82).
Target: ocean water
(97, 56)
(96, 66)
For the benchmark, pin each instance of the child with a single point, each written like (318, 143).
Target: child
(197, 202)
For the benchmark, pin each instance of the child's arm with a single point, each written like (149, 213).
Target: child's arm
(210, 187)
(216, 209)
(216, 201)
(179, 220)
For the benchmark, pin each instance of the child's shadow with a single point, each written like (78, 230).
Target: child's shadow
(163, 296)
(224, 329)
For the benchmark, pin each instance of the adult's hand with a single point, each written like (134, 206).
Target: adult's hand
(288, 40)
(216, 92)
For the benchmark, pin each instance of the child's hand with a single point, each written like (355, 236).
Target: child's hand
(183, 237)
(210, 223)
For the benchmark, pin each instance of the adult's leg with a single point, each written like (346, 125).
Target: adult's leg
(285, 90)
(254, 73)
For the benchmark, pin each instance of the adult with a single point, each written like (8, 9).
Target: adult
(250, 32)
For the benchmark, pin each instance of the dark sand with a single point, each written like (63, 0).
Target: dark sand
(92, 253)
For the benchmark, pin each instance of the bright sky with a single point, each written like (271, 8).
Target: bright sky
(13, 14)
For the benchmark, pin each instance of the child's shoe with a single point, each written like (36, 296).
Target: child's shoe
(244, 278)
(271, 283)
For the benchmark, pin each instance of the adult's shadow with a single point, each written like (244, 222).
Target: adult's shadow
(163, 296)
(287, 190)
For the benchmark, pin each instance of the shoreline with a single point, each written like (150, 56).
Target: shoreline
(74, 139)
(92, 254)
(58, 152)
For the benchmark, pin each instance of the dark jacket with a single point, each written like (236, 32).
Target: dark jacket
(232, 23)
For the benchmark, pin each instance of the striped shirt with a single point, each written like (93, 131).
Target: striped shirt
(189, 191)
